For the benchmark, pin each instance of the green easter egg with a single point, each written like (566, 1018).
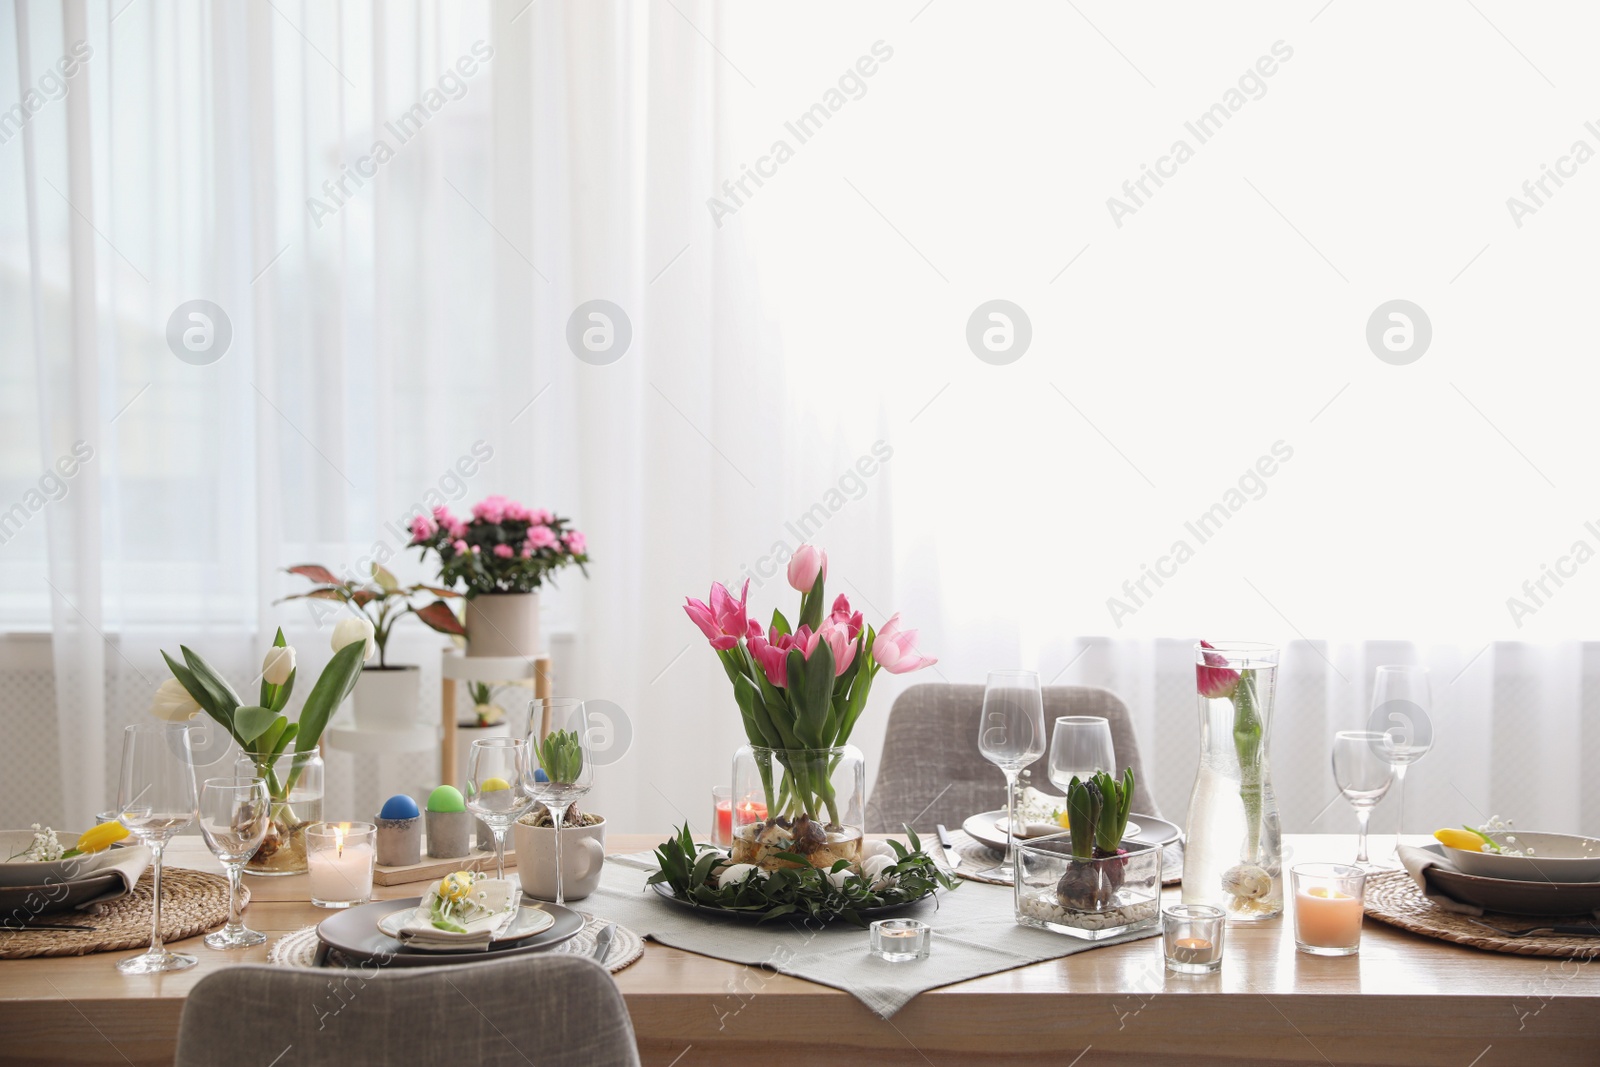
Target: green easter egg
(446, 798)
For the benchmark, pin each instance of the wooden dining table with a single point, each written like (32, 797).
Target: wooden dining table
(1404, 1000)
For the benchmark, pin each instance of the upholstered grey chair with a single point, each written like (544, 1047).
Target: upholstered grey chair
(555, 1011)
(931, 771)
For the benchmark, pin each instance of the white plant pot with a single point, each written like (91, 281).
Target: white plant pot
(583, 852)
(386, 698)
(465, 735)
(503, 624)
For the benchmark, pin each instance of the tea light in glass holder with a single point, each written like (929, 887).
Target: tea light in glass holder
(1191, 935)
(900, 940)
(339, 858)
(1327, 908)
(722, 815)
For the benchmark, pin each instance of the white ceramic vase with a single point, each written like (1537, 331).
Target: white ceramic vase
(386, 698)
(503, 624)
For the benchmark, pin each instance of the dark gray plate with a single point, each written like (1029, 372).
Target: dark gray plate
(665, 892)
(21, 903)
(1515, 898)
(354, 934)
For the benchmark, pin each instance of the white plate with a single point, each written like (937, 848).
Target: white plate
(527, 922)
(987, 827)
(1556, 858)
(50, 872)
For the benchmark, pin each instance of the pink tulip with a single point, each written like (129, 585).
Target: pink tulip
(773, 660)
(504, 551)
(724, 620)
(1213, 678)
(840, 643)
(422, 529)
(808, 564)
(842, 615)
(896, 651)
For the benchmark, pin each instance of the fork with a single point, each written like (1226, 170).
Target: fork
(1567, 929)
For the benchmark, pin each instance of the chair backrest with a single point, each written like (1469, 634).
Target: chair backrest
(931, 771)
(553, 1010)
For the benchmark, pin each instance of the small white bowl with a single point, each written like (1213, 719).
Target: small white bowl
(50, 872)
(1556, 858)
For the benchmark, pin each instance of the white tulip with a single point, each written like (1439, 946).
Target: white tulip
(173, 703)
(278, 665)
(735, 872)
(349, 631)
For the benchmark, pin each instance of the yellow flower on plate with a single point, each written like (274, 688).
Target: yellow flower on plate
(101, 837)
(1466, 840)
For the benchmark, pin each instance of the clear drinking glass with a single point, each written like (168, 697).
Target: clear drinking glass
(1011, 736)
(1080, 747)
(156, 798)
(234, 815)
(1363, 775)
(557, 787)
(497, 788)
(1401, 707)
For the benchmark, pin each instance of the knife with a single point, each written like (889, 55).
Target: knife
(602, 942)
(951, 860)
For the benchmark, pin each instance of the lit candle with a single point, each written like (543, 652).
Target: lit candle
(724, 832)
(339, 859)
(1326, 918)
(1192, 950)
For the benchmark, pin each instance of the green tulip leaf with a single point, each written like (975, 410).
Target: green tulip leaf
(251, 722)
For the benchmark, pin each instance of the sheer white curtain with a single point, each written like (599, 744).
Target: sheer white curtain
(799, 364)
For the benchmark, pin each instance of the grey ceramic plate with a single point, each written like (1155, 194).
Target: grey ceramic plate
(354, 934)
(21, 903)
(664, 891)
(1512, 897)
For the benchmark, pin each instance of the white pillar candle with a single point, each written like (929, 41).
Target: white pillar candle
(339, 857)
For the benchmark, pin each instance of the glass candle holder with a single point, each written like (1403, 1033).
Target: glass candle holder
(900, 940)
(1328, 900)
(340, 856)
(722, 815)
(1192, 935)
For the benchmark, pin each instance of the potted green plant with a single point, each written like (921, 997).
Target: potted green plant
(502, 556)
(1090, 883)
(388, 695)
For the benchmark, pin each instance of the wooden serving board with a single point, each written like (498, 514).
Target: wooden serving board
(429, 868)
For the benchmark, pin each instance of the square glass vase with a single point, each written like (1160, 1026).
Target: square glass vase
(1091, 898)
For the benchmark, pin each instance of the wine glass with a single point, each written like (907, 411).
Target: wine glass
(1080, 747)
(1362, 774)
(1401, 702)
(156, 799)
(497, 790)
(564, 773)
(1011, 736)
(234, 816)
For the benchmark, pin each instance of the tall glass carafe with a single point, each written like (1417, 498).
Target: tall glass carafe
(1233, 852)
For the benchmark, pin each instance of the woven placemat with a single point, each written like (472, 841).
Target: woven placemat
(299, 949)
(192, 902)
(977, 858)
(1393, 897)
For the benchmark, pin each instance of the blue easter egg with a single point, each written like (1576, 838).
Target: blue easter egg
(539, 775)
(399, 807)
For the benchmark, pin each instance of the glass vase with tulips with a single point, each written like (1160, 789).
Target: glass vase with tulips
(801, 688)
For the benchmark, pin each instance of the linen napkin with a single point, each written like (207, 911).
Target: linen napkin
(1417, 862)
(974, 933)
(129, 868)
(418, 930)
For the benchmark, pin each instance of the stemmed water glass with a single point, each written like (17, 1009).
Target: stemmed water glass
(234, 816)
(1363, 775)
(1011, 736)
(156, 799)
(497, 790)
(1080, 747)
(1401, 706)
(564, 773)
